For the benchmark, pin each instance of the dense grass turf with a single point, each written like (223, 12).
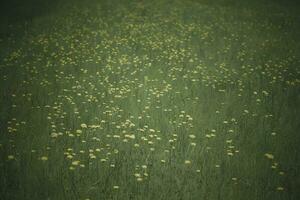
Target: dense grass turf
(151, 100)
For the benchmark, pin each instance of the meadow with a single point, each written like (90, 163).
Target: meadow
(151, 100)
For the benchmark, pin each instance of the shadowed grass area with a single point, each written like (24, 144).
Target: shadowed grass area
(16, 16)
(150, 100)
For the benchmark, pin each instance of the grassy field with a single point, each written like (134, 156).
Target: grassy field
(150, 100)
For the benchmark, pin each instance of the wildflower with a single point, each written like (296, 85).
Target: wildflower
(92, 156)
(11, 157)
(54, 135)
(82, 165)
(187, 162)
(76, 162)
(280, 188)
(269, 156)
(116, 187)
(281, 173)
(131, 136)
(44, 158)
(83, 125)
(192, 136)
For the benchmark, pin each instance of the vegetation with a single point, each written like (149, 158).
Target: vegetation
(151, 100)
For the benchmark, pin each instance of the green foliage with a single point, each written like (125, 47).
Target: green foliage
(151, 100)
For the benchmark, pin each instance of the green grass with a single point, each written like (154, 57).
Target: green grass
(150, 100)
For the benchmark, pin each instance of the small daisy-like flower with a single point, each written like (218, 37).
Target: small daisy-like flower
(11, 157)
(281, 173)
(44, 158)
(192, 136)
(139, 179)
(76, 162)
(83, 125)
(54, 135)
(187, 162)
(280, 188)
(193, 144)
(269, 156)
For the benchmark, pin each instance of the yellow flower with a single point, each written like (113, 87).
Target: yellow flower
(83, 125)
(280, 188)
(187, 162)
(192, 136)
(281, 173)
(269, 156)
(54, 135)
(44, 158)
(92, 156)
(11, 157)
(131, 136)
(79, 131)
(116, 187)
(76, 162)
(139, 179)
